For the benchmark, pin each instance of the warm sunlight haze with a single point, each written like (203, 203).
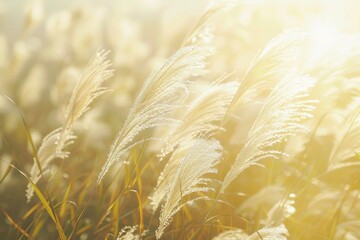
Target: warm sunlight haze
(179, 119)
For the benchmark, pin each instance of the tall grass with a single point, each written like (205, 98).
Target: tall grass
(200, 120)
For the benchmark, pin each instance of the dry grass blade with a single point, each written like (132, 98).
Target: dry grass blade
(198, 161)
(163, 91)
(86, 90)
(346, 144)
(6, 173)
(17, 226)
(47, 205)
(27, 131)
(279, 118)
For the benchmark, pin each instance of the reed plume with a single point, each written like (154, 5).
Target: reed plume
(279, 118)
(88, 88)
(199, 120)
(163, 91)
(189, 178)
(269, 66)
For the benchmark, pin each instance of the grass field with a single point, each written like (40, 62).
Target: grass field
(154, 119)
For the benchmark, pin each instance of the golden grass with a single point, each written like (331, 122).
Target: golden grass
(217, 120)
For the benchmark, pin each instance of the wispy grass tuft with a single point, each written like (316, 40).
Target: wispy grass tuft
(189, 178)
(280, 117)
(86, 90)
(163, 91)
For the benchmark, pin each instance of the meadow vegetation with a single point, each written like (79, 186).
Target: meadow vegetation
(217, 119)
